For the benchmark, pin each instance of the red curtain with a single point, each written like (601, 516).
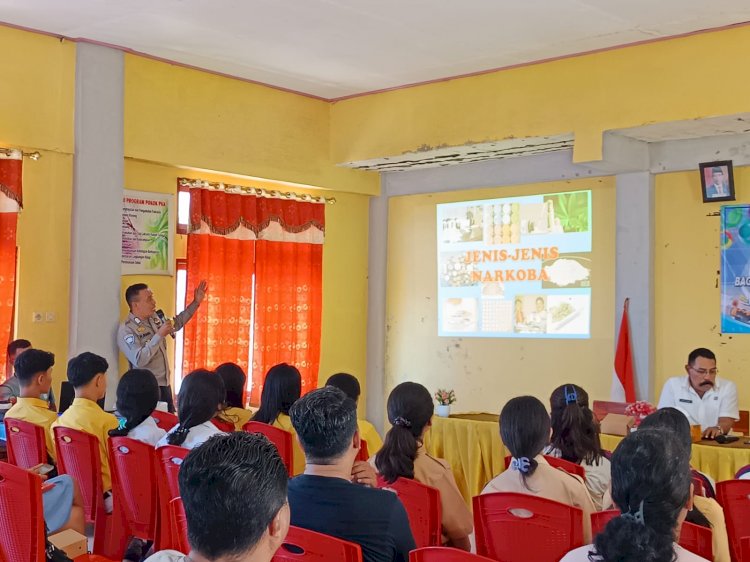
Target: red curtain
(288, 303)
(233, 237)
(11, 168)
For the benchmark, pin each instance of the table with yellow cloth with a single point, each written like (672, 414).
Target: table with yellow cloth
(471, 444)
(720, 462)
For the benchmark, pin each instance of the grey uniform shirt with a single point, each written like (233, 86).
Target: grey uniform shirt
(144, 348)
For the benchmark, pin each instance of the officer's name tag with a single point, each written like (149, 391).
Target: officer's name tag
(686, 401)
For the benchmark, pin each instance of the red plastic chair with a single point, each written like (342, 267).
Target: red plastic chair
(26, 444)
(302, 545)
(697, 539)
(422, 505)
(164, 420)
(168, 461)
(567, 466)
(364, 454)
(599, 520)
(518, 527)
(444, 554)
(21, 503)
(179, 523)
(78, 456)
(282, 439)
(744, 549)
(734, 497)
(133, 467)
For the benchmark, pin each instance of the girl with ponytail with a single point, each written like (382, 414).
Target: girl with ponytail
(575, 438)
(201, 397)
(137, 395)
(525, 430)
(651, 485)
(403, 455)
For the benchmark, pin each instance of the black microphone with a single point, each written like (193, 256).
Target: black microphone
(160, 314)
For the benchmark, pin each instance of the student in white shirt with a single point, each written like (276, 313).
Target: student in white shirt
(651, 485)
(575, 438)
(201, 397)
(137, 395)
(702, 396)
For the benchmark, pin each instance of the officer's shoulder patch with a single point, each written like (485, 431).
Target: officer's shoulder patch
(129, 339)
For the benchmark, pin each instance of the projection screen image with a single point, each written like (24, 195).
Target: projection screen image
(517, 267)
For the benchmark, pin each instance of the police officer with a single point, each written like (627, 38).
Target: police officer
(141, 337)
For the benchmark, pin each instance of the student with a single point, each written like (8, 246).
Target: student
(350, 386)
(525, 430)
(249, 520)
(325, 500)
(87, 373)
(410, 409)
(651, 485)
(10, 390)
(281, 389)
(575, 438)
(234, 381)
(200, 399)
(706, 511)
(137, 395)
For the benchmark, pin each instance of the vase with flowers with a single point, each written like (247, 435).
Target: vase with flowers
(639, 410)
(444, 399)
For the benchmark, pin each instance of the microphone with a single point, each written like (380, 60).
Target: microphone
(160, 314)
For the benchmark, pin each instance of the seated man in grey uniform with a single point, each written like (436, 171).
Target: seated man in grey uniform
(141, 336)
(10, 390)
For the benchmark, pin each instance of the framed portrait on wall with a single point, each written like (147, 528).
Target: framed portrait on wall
(717, 181)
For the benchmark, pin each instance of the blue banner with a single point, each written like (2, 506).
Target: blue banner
(735, 269)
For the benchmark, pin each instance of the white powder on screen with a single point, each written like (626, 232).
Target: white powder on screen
(566, 272)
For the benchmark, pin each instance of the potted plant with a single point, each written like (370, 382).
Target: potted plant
(444, 399)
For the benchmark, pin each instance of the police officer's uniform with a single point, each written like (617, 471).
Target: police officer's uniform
(145, 349)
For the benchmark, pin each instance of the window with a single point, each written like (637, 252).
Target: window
(183, 208)
(180, 294)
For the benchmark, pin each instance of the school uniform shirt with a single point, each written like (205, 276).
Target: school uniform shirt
(197, 435)
(285, 422)
(36, 411)
(237, 416)
(168, 556)
(371, 436)
(86, 415)
(715, 515)
(717, 402)
(581, 554)
(551, 483)
(598, 476)
(147, 432)
(457, 519)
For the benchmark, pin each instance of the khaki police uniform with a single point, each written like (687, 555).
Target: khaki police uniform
(145, 349)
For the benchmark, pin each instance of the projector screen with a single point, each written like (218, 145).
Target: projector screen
(517, 267)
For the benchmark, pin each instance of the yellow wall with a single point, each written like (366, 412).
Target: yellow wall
(486, 372)
(585, 95)
(192, 118)
(344, 330)
(687, 296)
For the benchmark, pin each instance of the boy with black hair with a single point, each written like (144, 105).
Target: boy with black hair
(10, 390)
(235, 478)
(87, 373)
(324, 498)
(350, 386)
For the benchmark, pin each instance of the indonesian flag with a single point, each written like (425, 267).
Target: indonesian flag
(623, 385)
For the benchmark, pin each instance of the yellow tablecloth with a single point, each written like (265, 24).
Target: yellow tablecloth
(471, 444)
(720, 462)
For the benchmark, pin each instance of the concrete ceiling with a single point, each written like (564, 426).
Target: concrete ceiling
(337, 48)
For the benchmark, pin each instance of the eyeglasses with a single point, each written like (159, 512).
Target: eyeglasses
(704, 372)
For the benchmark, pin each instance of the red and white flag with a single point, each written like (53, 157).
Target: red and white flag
(623, 381)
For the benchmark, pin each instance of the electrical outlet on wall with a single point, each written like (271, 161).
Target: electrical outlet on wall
(37, 317)
(50, 316)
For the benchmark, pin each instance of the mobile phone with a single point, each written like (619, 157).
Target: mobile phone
(43, 469)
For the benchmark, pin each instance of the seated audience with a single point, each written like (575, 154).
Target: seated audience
(281, 389)
(706, 511)
(651, 485)
(200, 399)
(87, 373)
(324, 499)
(525, 431)
(249, 519)
(33, 370)
(575, 438)
(137, 395)
(410, 409)
(234, 382)
(10, 390)
(350, 386)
